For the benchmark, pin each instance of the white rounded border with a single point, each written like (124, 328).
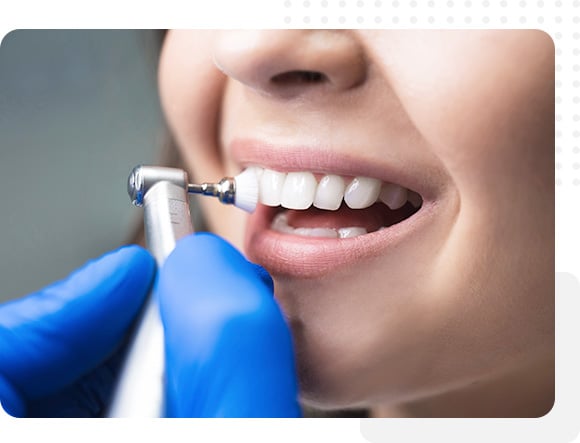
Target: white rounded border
(559, 18)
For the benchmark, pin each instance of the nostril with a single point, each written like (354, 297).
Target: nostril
(299, 77)
(290, 64)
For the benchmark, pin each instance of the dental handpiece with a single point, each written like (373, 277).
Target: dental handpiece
(163, 193)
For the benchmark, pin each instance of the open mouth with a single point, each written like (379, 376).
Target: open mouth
(321, 210)
(331, 206)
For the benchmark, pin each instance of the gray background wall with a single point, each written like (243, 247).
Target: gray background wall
(78, 109)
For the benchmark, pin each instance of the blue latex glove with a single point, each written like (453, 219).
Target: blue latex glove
(57, 346)
(228, 349)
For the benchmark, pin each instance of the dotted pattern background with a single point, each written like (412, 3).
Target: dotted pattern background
(560, 19)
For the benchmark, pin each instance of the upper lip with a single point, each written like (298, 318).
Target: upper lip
(295, 157)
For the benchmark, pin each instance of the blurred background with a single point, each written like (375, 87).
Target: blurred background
(78, 109)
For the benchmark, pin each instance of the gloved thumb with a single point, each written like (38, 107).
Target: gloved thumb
(228, 349)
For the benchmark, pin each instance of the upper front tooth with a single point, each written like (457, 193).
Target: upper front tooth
(257, 170)
(329, 193)
(298, 191)
(394, 196)
(271, 184)
(362, 192)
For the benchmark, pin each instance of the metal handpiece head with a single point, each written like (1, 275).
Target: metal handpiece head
(240, 191)
(143, 178)
(224, 190)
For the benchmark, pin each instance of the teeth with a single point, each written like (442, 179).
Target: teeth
(393, 196)
(351, 232)
(362, 192)
(280, 224)
(329, 193)
(316, 232)
(257, 170)
(298, 191)
(271, 184)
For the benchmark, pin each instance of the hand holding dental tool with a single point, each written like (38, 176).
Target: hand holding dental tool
(227, 347)
(163, 193)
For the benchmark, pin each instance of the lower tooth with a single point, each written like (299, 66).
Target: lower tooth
(316, 232)
(280, 224)
(351, 232)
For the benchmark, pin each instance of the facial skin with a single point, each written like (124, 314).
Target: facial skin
(454, 317)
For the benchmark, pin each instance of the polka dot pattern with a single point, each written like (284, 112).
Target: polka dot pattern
(560, 19)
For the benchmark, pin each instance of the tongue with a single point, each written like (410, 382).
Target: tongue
(371, 218)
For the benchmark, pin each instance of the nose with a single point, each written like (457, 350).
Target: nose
(292, 62)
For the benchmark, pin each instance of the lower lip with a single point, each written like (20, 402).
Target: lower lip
(310, 257)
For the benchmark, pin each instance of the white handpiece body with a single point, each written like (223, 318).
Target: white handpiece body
(140, 388)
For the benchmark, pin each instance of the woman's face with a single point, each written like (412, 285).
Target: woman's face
(456, 293)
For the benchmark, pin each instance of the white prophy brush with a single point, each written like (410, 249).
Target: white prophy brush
(240, 191)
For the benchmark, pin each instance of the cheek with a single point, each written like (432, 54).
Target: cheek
(486, 107)
(190, 91)
(486, 110)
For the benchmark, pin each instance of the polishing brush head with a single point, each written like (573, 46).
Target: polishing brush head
(247, 190)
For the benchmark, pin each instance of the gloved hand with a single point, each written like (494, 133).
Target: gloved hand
(57, 346)
(228, 350)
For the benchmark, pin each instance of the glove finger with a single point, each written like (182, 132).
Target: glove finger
(11, 401)
(228, 349)
(264, 276)
(51, 338)
(87, 397)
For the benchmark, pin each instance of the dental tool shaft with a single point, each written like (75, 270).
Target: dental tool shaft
(240, 191)
(203, 189)
(224, 190)
(140, 387)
